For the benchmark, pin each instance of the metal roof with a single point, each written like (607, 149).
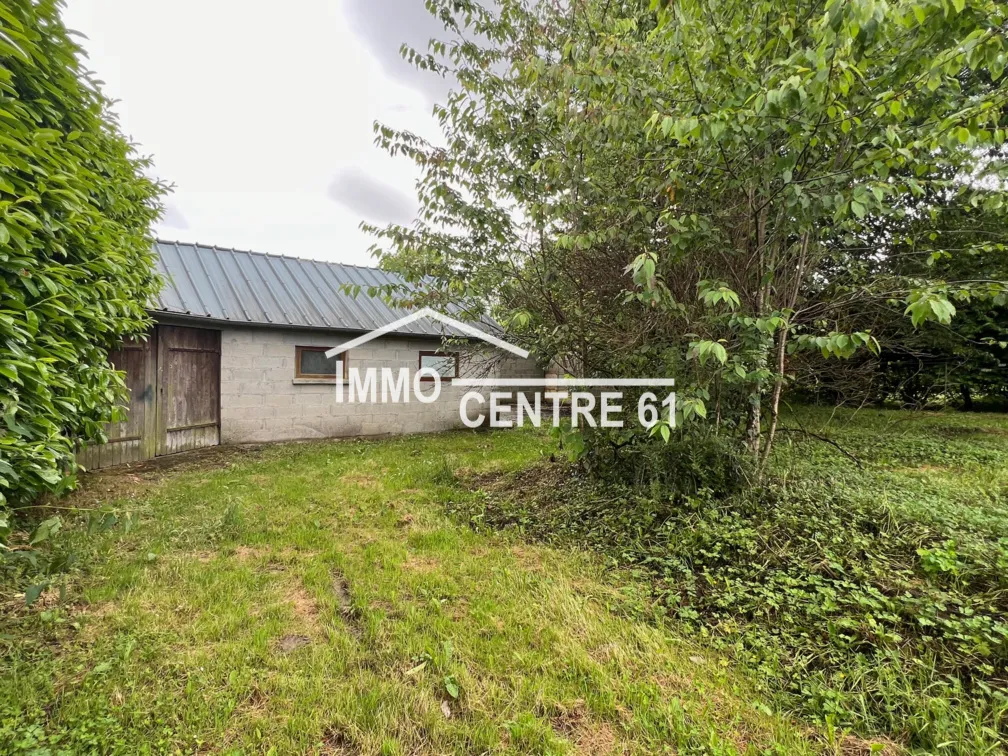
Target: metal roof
(242, 287)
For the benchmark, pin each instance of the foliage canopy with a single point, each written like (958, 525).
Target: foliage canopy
(673, 189)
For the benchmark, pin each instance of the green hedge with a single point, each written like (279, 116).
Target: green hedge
(76, 260)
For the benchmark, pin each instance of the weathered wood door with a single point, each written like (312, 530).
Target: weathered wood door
(133, 439)
(188, 385)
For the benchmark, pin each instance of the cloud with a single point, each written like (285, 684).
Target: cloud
(384, 27)
(373, 199)
(173, 218)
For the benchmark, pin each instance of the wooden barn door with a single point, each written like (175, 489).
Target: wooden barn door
(188, 383)
(133, 439)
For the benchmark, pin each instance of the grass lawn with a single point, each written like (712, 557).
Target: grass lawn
(360, 597)
(315, 598)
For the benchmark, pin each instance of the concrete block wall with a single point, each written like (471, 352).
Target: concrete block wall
(261, 400)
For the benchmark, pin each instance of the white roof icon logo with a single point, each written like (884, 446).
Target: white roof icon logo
(427, 312)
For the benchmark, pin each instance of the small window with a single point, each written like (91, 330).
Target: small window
(445, 364)
(311, 362)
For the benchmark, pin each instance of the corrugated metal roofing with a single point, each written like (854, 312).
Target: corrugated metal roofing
(241, 287)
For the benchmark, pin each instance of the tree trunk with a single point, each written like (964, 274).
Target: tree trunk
(753, 423)
(967, 397)
(775, 401)
(755, 411)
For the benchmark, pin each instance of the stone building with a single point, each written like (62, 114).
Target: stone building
(238, 355)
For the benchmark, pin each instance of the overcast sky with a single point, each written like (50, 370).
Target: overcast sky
(261, 114)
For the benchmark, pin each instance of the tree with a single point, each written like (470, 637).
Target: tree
(964, 359)
(76, 265)
(662, 187)
(929, 361)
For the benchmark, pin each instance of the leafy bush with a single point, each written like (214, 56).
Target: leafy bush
(76, 265)
(680, 465)
(873, 600)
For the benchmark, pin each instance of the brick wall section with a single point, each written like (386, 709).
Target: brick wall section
(262, 401)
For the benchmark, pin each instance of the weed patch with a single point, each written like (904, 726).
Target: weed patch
(859, 600)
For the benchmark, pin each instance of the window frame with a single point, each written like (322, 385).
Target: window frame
(437, 353)
(298, 375)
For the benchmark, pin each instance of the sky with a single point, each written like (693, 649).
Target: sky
(261, 114)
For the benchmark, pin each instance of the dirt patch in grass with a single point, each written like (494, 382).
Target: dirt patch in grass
(415, 563)
(538, 477)
(337, 743)
(341, 590)
(249, 553)
(595, 740)
(130, 480)
(289, 643)
(916, 469)
(361, 481)
(276, 563)
(255, 702)
(98, 488)
(589, 738)
(390, 609)
(14, 606)
(199, 459)
(852, 745)
(304, 605)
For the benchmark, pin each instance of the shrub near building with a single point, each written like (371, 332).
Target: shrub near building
(75, 254)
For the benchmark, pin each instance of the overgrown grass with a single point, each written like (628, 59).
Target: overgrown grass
(872, 599)
(316, 599)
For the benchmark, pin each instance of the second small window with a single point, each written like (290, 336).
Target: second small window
(445, 364)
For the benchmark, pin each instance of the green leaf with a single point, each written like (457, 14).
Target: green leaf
(45, 530)
(451, 686)
(719, 352)
(8, 46)
(943, 309)
(33, 592)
